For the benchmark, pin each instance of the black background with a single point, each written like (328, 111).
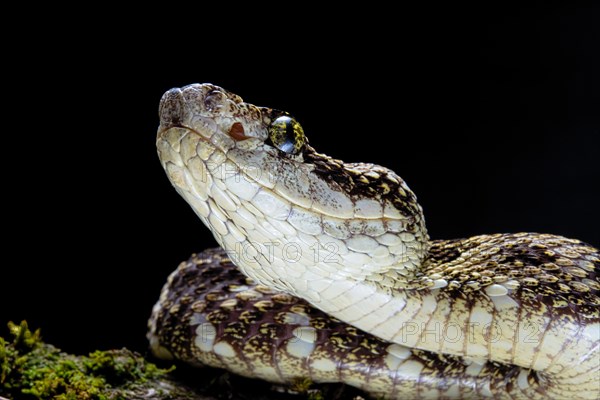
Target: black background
(491, 116)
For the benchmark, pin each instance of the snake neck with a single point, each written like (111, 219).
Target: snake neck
(396, 245)
(287, 215)
(291, 225)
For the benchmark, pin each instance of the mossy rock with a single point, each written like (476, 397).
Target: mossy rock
(31, 369)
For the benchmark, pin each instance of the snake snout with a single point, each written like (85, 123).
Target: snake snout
(171, 109)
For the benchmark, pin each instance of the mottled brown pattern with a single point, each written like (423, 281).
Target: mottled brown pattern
(559, 272)
(367, 180)
(253, 320)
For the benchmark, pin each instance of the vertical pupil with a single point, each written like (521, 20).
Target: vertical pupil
(289, 132)
(288, 139)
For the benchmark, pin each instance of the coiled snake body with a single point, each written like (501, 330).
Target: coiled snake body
(512, 316)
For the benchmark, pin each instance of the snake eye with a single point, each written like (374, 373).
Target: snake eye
(286, 134)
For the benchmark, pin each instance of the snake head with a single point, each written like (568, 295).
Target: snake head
(224, 122)
(274, 203)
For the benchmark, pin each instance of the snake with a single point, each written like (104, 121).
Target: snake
(326, 271)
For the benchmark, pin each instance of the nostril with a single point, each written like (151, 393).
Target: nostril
(170, 110)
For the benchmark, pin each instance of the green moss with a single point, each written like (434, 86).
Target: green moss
(24, 339)
(305, 386)
(4, 361)
(302, 385)
(315, 395)
(31, 369)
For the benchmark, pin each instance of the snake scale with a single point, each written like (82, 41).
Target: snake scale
(341, 282)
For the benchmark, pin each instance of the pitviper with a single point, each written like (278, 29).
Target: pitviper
(512, 316)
